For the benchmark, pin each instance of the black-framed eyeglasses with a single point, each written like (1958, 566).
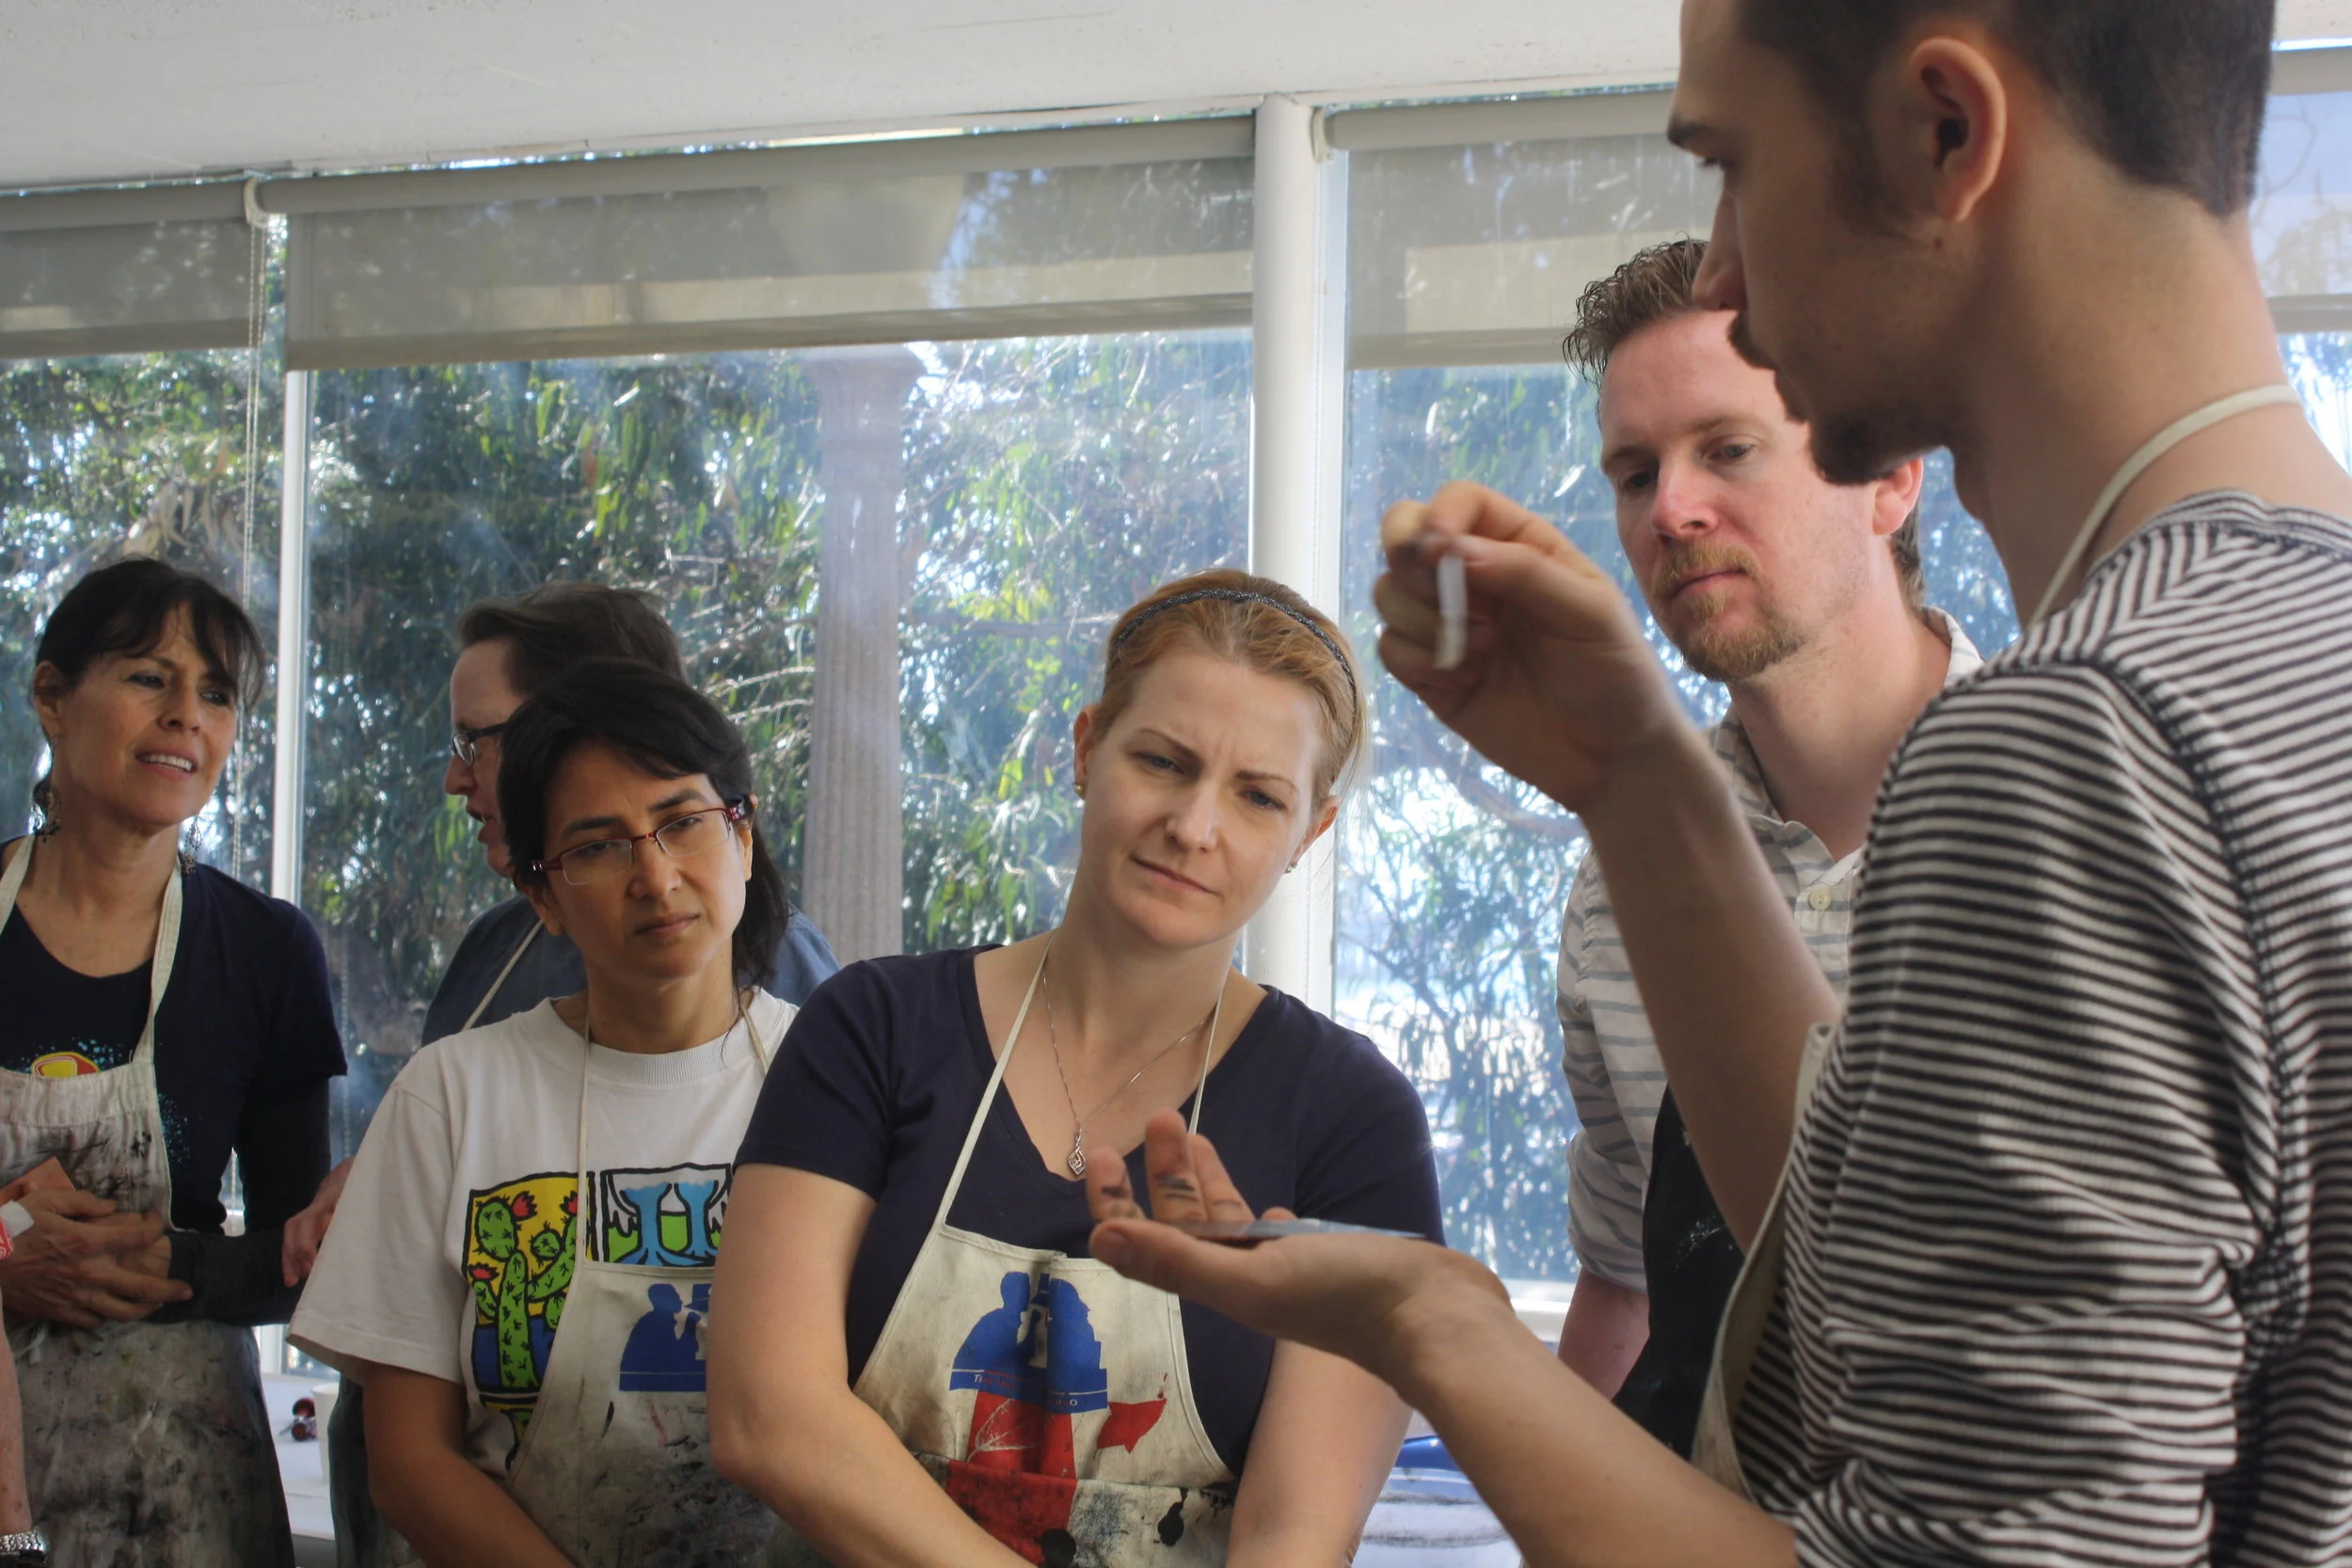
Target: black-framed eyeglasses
(464, 744)
(601, 860)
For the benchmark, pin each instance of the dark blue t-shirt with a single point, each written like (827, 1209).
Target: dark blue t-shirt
(246, 1025)
(881, 1072)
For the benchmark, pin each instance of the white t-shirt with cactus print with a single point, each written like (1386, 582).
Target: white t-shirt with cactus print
(452, 1250)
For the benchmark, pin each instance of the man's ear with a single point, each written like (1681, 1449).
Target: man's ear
(543, 904)
(1897, 497)
(1949, 125)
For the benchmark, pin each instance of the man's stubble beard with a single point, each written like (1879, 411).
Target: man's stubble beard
(1736, 657)
(1716, 653)
(1848, 448)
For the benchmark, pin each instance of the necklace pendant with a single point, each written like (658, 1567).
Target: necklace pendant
(1077, 1161)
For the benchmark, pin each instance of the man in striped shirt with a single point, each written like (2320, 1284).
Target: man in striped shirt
(2062, 1268)
(1805, 598)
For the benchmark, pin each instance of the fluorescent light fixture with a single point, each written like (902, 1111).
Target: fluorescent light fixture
(2296, 46)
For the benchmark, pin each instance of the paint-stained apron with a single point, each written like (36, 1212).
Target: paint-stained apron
(1048, 1394)
(620, 1476)
(146, 1445)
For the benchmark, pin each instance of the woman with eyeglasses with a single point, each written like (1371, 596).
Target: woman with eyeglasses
(521, 1267)
(917, 1363)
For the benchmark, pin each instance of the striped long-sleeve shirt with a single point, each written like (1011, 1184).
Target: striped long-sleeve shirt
(2069, 1261)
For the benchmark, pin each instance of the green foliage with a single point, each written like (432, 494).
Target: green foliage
(1051, 483)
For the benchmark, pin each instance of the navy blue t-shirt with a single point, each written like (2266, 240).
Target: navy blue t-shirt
(879, 1077)
(246, 1025)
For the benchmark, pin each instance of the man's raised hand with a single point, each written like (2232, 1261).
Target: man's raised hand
(1558, 688)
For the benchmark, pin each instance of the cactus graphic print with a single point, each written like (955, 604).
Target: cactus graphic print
(469, 1237)
(519, 1257)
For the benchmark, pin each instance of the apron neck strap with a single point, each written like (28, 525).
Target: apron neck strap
(1208, 1053)
(996, 1080)
(2159, 445)
(167, 935)
(988, 1097)
(512, 959)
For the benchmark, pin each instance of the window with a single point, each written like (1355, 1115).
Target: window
(892, 561)
(1027, 490)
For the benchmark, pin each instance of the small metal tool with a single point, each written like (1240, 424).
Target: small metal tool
(1453, 612)
(1251, 1233)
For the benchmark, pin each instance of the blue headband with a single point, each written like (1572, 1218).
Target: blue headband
(1236, 596)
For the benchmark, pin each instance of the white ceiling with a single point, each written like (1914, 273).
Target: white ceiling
(104, 89)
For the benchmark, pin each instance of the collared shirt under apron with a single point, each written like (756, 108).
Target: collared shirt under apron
(146, 1445)
(1049, 1395)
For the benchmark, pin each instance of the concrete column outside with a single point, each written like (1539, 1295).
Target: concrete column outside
(854, 837)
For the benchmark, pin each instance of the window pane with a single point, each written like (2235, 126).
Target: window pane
(1010, 498)
(134, 454)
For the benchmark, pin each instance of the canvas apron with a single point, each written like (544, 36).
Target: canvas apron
(146, 1444)
(614, 1468)
(1048, 1394)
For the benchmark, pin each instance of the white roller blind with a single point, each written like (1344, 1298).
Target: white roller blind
(1473, 250)
(1474, 226)
(123, 271)
(1021, 233)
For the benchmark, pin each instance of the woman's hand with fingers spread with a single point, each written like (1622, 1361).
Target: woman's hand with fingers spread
(1558, 688)
(1187, 1180)
(1368, 1298)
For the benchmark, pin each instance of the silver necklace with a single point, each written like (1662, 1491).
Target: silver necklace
(1077, 1157)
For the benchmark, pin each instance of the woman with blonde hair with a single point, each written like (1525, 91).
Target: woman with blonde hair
(906, 1290)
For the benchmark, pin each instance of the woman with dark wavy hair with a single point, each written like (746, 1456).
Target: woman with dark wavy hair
(521, 1267)
(161, 1015)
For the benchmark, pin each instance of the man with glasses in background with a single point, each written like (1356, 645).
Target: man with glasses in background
(508, 963)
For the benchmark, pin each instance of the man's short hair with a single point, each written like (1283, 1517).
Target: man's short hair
(1661, 285)
(552, 628)
(2172, 92)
